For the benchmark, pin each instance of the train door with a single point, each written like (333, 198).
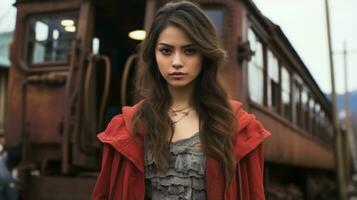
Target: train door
(114, 24)
(107, 79)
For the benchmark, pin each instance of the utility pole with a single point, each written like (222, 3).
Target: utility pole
(338, 136)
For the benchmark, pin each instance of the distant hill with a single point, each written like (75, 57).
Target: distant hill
(352, 99)
(340, 101)
(353, 108)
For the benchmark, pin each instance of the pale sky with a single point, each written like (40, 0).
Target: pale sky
(7, 15)
(304, 24)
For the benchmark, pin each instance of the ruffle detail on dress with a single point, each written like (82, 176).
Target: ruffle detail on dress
(180, 149)
(177, 182)
(184, 178)
(187, 162)
(177, 192)
(173, 172)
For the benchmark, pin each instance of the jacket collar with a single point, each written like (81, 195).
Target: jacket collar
(118, 135)
(250, 134)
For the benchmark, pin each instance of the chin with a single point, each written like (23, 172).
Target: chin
(178, 84)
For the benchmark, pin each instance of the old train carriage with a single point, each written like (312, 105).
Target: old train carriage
(73, 67)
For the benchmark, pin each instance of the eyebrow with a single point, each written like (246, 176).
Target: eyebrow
(171, 46)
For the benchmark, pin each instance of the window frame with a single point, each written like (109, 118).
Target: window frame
(287, 116)
(225, 19)
(261, 68)
(297, 87)
(269, 86)
(55, 65)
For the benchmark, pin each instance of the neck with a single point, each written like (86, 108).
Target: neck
(181, 97)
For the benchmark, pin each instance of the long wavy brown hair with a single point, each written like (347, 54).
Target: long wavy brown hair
(217, 119)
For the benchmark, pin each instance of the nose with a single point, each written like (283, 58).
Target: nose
(177, 61)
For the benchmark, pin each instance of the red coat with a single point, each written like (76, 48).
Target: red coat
(122, 173)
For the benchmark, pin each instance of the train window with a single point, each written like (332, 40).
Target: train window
(312, 114)
(273, 81)
(323, 122)
(329, 130)
(49, 38)
(216, 15)
(305, 109)
(285, 93)
(257, 47)
(255, 69)
(297, 103)
(317, 119)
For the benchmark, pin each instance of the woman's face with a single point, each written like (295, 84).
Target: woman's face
(178, 59)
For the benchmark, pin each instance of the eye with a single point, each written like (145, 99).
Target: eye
(190, 51)
(165, 50)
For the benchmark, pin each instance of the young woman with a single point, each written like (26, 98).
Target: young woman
(185, 140)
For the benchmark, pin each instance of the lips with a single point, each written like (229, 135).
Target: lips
(177, 75)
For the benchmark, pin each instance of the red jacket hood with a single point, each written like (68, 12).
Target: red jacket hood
(250, 134)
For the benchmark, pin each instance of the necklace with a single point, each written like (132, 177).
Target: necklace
(175, 111)
(181, 112)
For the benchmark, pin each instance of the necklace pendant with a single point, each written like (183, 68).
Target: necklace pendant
(179, 113)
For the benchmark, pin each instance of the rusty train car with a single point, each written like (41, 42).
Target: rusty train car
(73, 67)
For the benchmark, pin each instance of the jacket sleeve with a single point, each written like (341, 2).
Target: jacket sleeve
(111, 160)
(102, 187)
(252, 172)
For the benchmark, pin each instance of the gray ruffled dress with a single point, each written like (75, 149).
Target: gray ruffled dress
(184, 178)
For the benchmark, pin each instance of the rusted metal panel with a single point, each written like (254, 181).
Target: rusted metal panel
(13, 118)
(60, 188)
(289, 146)
(45, 112)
